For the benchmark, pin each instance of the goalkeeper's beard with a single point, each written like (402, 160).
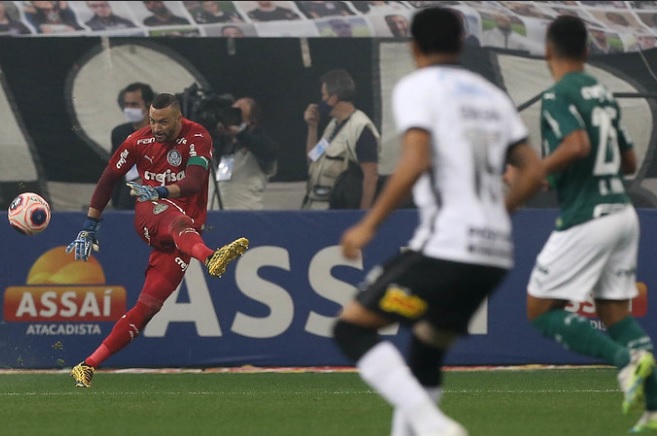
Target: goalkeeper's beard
(161, 137)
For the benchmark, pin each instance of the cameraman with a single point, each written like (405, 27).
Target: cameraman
(246, 155)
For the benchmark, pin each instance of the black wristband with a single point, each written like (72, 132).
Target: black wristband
(162, 191)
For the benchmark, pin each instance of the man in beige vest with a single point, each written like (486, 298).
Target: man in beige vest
(349, 138)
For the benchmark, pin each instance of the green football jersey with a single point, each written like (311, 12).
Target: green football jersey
(593, 186)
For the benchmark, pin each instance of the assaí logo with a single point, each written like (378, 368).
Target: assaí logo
(64, 297)
(638, 306)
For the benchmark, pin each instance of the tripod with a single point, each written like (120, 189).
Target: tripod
(217, 194)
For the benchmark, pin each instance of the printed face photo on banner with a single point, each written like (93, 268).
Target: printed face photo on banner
(646, 41)
(398, 25)
(10, 20)
(501, 30)
(343, 27)
(619, 21)
(258, 11)
(211, 12)
(321, 9)
(391, 25)
(161, 13)
(100, 16)
(604, 42)
(50, 17)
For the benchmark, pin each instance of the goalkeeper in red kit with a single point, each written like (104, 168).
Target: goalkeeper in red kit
(172, 155)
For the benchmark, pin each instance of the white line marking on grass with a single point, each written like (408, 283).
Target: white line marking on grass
(280, 393)
(249, 369)
(531, 391)
(201, 393)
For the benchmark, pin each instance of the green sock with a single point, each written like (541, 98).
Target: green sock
(629, 333)
(575, 333)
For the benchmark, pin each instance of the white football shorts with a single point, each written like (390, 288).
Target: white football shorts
(598, 257)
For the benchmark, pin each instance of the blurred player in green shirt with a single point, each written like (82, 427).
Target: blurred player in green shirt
(593, 250)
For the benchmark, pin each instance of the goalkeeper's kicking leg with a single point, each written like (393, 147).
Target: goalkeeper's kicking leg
(189, 241)
(158, 285)
(179, 242)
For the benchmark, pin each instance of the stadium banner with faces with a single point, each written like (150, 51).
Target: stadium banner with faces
(56, 133)
(273, 307)
(623, 25)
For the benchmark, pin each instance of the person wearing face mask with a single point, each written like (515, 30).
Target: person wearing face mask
(134, 101)
(350, 144)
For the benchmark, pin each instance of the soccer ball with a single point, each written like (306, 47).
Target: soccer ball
(29, 213)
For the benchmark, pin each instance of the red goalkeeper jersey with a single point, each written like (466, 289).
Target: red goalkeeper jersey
(161, 164)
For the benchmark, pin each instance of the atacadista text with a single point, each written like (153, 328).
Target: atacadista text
(63, 329)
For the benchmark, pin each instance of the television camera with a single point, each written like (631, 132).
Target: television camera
(209, 108)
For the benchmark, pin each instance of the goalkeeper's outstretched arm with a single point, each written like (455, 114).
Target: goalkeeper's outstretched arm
(103, 192)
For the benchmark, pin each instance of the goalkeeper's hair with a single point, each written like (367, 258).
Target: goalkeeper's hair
(165, 100)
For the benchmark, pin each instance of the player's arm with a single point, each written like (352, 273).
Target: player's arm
(567, 125)
(87, 239)
(628, 161)
(528, 175)
(414, 161)
(103, 192)
(626, 146)
(574, 146)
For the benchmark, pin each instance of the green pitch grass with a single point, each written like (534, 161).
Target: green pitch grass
(541, 402)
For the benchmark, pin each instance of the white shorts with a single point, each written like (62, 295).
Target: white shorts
(596, 258)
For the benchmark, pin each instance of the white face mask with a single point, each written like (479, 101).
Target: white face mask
(133, 115)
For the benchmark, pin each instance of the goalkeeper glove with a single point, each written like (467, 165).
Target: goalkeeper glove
(146, 193)
(86, 241)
